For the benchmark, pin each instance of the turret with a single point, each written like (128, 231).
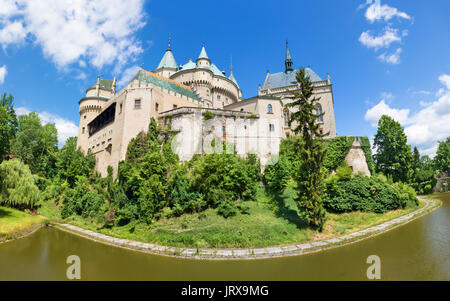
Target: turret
(167, 66)
(288, 61)
(203, 60)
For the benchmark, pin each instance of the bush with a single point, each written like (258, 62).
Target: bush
(344, 172)
(276, 176)
(366, 194)
(227, 209)
(337, 148)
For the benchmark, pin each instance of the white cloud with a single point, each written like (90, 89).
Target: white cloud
(376, 11)
(127, 75)
(445, 80)
(12, 33)
(389, 36)
(374, 113)
(100, 32)
(393, 58)
(3, 72)
(424, 128)
(65, 127)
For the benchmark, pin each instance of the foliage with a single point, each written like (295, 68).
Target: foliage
(227, 209)
(36, 145)
(366, 194)
(312, 153)
(393, 157)
(276, 176)
(344, 171)
(17, 185)
(208, 115)
(442, 158)
(337, 148)
(365, 145)
(8, 124)
(72, 162)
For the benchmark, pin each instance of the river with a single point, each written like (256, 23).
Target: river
(419, 250)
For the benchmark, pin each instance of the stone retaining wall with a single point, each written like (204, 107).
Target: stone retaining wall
(268, 252)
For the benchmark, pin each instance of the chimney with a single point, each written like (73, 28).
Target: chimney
(97, 85)
(114, 86)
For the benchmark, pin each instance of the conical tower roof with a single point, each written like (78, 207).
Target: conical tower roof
(231, 77)
(203, 54)
(288, 61)
(168, 60)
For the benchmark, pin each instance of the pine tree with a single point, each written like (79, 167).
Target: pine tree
(310, 178)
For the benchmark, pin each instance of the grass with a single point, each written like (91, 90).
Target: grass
(443, 196)
(272, 220)
(14, 223)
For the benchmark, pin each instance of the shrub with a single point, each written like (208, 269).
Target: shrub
(208, 115)
(344, 172)
(227, 209)
(337, 148)
(276, 176)
(365, 194)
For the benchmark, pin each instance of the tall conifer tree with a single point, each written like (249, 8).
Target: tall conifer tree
(310, 178)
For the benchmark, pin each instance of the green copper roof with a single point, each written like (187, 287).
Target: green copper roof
(105, 84)
(189, 65)
(215, 70)
(171, 85)
(203, 54)
(168, 60)
(231, 77)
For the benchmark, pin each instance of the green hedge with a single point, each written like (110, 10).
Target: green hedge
(337, 148)
(365, 144)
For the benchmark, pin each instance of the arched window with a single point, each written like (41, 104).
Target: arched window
(269, 109)
(319, 112)
(286, 117)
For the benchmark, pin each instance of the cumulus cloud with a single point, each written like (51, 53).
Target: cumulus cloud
(376, 11)
(424, 128)
(389, 36)
(65, 127)
(3, 72)
(445, 80)
(393, 58)
(100, 32)
(127, 75)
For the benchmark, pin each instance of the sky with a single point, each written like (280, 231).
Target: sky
(384, 57)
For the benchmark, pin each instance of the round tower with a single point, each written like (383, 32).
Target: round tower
(91, 105)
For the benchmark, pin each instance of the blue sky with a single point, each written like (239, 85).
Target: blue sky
(389, 57)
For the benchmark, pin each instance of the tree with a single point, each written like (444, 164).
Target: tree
(17, 184)
(71, 162)
(310, 178)
(417, 162)
(442, 159)
(393, 157)
(8, 124)
(36, 144)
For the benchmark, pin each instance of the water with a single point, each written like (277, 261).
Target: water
(419, 250)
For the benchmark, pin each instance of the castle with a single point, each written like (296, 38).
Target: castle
(201, 104)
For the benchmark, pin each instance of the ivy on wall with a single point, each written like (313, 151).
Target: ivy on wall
(365, 144)
(337, 149)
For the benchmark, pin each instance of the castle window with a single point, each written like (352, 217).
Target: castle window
(120, 108)
(269, 109)
(82, 131)
(156, 107)
(84, 116)
(286, 117)
(242, 110)
(272, 127)
(319, 112)
(175, 106)
(137, 104)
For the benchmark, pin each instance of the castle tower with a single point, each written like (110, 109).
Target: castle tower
(167, 66)
(203, 60)
(91, 105)
(288, 61)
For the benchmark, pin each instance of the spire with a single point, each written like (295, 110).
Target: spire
(231, 77)
(168, 48)
(203, 54)
(168, 60)
(114, 85)
(288, 61)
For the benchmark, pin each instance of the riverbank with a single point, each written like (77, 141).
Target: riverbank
(15, 224)
(270, 221)
(254, 253)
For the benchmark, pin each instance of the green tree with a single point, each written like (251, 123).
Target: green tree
(310, 177)
(17, 185)
(36, 144)
(442, 158)
(8, 124)
(72, 162)
(417, 164)
(393, 157)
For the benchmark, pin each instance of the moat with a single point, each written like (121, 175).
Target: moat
(419, 250)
